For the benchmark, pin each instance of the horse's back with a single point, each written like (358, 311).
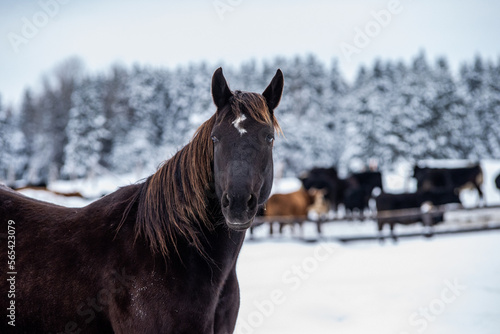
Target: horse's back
(52, 281)
(14, 204)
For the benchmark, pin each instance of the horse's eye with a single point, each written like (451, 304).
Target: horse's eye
(215, 139)
(269, 138)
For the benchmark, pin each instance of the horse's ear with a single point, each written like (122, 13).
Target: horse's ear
(273, 92)
(220, 90)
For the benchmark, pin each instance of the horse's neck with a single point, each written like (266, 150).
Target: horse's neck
(225, 247)
(223, 244)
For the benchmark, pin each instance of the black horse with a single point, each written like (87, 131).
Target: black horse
(154, 257)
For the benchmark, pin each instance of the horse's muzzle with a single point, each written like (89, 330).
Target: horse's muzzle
(239, 210)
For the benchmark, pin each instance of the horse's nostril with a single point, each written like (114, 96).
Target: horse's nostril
(252, 202)
(225, 200)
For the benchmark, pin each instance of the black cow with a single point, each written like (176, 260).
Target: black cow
(390, 202)
(354, 191)
(449, 178)
(358, 190)
(327, 179)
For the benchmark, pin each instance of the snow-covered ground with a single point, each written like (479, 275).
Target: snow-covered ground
(447, 284)
(443, 285)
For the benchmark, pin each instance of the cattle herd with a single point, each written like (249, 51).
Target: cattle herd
(324, 191)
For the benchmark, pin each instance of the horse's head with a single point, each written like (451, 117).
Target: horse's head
(243, 137)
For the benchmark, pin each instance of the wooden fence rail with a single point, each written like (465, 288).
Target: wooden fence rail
(417, 214)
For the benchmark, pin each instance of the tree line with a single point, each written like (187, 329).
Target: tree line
(130, 119)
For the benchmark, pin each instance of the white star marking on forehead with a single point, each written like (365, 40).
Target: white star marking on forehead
(237, 124)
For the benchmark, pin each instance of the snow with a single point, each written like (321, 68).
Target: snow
(42, 195)
(491, 169)
(97, 187)
(289, 287)
(286, 185)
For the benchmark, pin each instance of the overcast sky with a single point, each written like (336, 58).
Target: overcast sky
(37, 35)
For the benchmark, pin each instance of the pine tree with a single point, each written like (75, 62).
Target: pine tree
(29, 121)
(85, 130)
(12, 153)
(66, 77)
(480, 118)
(450, 108)
(371, 108)
(494, 110)
(4, 144)
(136, 150)
(35, 119)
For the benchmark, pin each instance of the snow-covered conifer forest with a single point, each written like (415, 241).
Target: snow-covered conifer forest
(80, 125)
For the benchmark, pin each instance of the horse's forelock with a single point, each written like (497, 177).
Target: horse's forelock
(252, 105)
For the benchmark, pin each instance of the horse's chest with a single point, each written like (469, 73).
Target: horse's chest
(184, 289)
(186, 303)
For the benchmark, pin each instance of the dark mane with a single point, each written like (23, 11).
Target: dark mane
(173, 202)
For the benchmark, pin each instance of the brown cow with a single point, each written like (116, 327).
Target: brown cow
(292, 206)
(320, 206)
